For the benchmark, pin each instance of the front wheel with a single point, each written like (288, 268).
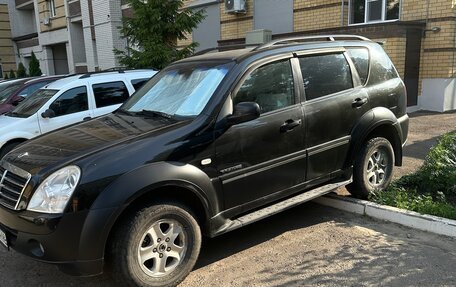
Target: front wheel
(373, 168)
(157, 246)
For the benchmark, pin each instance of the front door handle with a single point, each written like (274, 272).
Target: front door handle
(359, 102)
(87, 118)
(289, 125)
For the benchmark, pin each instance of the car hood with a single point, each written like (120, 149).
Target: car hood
(6, 121)
(69, 144)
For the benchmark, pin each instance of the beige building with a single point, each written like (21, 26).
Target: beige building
(419, 35)
(7, 59)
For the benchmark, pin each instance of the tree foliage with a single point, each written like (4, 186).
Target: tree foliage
(21, 72)
(12, 75)
(34, 67)
(153, 31)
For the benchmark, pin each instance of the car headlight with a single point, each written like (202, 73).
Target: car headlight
(53, 194)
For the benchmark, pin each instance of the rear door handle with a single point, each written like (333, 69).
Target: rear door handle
(359, 102)
(289, 125)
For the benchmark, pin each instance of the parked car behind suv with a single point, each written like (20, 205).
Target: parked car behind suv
(16, 91)
(210, 144)
(66, 102)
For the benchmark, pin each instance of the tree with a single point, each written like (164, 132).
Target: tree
(11, 74)
(153, 31)
(21, 72)
(34, 67)
(6, 77)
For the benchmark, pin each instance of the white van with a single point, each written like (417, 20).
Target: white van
(68, 101)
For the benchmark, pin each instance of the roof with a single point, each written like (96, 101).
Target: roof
(59, 84)
(281, 46)
(43, 78)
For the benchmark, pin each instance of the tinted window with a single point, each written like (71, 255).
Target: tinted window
(270, 86)
(382, 68)
(108, 94)
(325, 74)
(360, 57)
(138, 83)
(72, 101)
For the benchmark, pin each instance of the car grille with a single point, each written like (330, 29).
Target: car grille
(11, 187)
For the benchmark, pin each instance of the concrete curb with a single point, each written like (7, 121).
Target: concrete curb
(412, 219)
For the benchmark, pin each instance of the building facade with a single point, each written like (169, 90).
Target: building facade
(67, 36)
(418, 35)
(7, 59)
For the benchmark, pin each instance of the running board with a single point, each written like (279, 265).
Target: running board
(283, 205)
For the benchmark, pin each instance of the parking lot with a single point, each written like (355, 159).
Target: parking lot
(310, 245)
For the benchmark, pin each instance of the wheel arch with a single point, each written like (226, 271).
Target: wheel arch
(155, 183)
(378, 122)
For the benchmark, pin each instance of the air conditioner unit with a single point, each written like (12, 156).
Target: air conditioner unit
(46, 21)
(235, 6)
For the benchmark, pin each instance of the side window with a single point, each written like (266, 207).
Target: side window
(138, 83)
(271, 86)
(325, 74)
(360, 57)
(72, 101)
(107, 94)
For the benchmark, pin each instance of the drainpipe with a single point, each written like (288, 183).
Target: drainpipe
(342, 13)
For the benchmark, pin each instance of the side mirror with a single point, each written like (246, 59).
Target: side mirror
(244, 112)
(48, 114)
(17, 100)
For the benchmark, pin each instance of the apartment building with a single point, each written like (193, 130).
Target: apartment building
(419, 35)
(67, 36)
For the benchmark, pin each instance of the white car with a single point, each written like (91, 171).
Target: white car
(68, 101)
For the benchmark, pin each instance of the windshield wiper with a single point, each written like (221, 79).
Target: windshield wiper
(125, 112)
(15, 114)
(150, 113)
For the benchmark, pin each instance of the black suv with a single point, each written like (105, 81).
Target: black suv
(208, 145)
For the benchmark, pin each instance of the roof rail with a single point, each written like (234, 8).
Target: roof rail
(310, 38)
(225, 48)
(119, 70)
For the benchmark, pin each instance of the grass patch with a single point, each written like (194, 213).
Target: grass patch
(432, 189)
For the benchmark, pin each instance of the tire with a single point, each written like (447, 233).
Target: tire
(7, 148)
(148, 230)
(373, 168)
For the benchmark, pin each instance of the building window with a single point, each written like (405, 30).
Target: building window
(51, 8)
(371, 11)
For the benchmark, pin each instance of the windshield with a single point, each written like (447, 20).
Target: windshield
(7, 90)
(181, 91)
(32, 103)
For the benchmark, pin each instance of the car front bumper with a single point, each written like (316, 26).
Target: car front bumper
(73, 241)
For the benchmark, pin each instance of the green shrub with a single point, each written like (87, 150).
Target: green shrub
(438, 172)
(414, 201)
(432, 189)
(21, 72)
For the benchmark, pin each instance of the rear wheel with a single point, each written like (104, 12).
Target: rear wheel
(373, 168)
(157, 246)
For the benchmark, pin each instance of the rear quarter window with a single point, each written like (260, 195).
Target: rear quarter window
(382, 68)
(138, 83)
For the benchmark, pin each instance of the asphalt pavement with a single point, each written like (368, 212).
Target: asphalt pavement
(309, 245)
